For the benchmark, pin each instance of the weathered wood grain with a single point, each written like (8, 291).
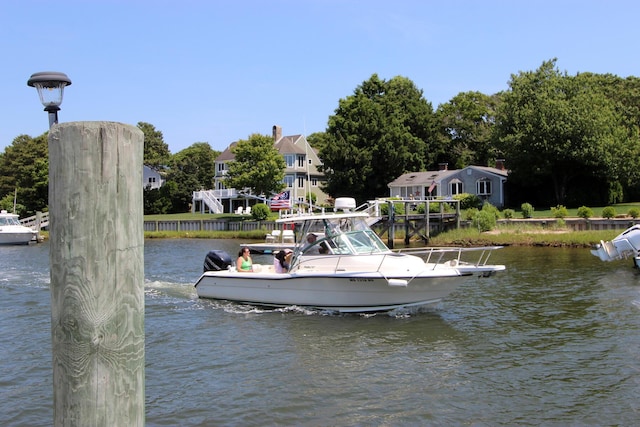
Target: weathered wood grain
(97, 273)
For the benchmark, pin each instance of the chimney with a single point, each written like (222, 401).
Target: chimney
(277, 133)
(443, 166)
(500, 164)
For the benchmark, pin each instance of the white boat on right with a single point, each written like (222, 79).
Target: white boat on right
(624, 245)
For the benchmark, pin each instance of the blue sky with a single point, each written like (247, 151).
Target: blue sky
(217, 71)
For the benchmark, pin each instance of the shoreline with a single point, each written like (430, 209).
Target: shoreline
(454, 238)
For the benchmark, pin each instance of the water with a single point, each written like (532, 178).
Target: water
(554, 340)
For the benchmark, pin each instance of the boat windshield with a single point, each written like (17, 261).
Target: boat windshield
(343, 236)
(9, 221)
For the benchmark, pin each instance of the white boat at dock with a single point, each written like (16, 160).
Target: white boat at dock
(12, 232)
(347, 269)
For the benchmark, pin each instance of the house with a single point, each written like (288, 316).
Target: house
(151, 178)
(486, 182)
(301, 176)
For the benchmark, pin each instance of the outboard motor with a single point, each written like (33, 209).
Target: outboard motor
(217, 260)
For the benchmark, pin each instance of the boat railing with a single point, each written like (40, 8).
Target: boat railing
(432, 256)
(436, 255)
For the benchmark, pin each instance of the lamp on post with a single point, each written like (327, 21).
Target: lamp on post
(50, 86)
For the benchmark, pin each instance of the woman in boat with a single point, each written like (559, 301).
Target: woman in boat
(282, 261)
(244, 264)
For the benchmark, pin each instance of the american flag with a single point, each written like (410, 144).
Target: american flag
(432, 187)
(281, 201)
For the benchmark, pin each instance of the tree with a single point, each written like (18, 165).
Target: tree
(156, 151)
(257, 165)
(380, 132)
(24, 167)
(465, 126)
(317, 140)
(562, 132)
(190, 170)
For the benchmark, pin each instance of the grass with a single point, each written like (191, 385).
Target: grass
(621, 208)
(522, 235)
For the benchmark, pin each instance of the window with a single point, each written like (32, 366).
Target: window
(288, 180)
(289, 159)
(483, 187)
(300, 182)
(300, 161)
(314, 182)
(456, 187)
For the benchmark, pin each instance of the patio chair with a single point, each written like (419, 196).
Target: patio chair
(288, 236)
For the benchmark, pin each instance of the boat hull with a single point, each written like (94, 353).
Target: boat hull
(16, 238)
(365, 292)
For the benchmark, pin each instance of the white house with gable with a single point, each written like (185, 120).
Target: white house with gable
(151, 178)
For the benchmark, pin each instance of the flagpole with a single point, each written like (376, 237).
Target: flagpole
(308, 186)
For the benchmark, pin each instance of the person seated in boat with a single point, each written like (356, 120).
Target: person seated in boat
(312, 248)
(282, 261)
(244, 264)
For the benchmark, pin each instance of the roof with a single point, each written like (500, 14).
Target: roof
(428, 177)
(420, 178)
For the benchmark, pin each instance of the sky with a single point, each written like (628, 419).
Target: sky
(218, 71)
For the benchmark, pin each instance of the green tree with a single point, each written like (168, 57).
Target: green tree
(559, 131)
(465, 125)
(156, 151)
(317, 140)
(24, 166)
(375, 135)
(257, 165)
(190, 170)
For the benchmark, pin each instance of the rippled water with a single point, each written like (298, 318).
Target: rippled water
(554, 340)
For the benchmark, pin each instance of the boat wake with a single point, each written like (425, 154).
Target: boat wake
(240, 308)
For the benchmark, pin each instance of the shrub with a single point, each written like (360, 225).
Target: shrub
(634, 213)
(527, 210)
(468, 201)
(585, 212)
(488, 207)
(260, 211)
(484, 220)
(470, 213)
(508, 213)
(559, 212)
(609, 212)
(398, 208)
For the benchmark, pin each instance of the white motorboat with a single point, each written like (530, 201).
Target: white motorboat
(12, 232)
(347, 269)
(624, 245)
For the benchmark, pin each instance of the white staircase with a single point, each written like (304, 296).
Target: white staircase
(208, 198)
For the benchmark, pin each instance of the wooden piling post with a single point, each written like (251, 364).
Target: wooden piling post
(97, 274)
(392, 228)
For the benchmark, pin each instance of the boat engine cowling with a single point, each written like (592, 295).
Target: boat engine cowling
(217, 260)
